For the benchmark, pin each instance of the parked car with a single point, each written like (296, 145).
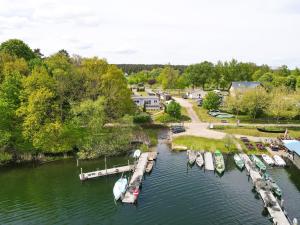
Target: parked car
(184, 96)
(213, 112)
(177, 129)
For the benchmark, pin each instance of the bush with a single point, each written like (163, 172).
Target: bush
(211, 101)
(5, 157)
(166, 118)
(142, 118)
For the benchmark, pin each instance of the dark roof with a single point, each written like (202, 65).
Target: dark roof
(245, 84)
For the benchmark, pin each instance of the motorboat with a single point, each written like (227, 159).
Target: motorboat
(191, 156)
(279, 161)
(137, 154)
(258, 162)
(268, 159)
(239, 161)
(219, 162)
(120, 188)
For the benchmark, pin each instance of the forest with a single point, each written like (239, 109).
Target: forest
(59, 104)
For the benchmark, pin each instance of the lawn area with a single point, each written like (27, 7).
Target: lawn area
(163, 117)
(252, 131)
(200, 143)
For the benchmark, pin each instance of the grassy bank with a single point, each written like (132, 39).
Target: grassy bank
(200, 143)
(252, 131)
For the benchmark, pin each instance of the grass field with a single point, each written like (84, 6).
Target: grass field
(252, 131)
(200, 143)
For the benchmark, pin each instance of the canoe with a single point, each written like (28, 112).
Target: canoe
(137, 153)
(191, 157)
(239, 161)
(149, 166)
(258, 162)
(268, 159)
(209, 163)
(279, 161)
(120, 188)
(199, 159)
(219, 162)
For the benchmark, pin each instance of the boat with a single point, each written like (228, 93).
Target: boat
(268, 159)
(275, 189)
(219, 162)
(120, 188)
(199, 159)
(239, 161)
(149, 166)
(137, 153)
(191, 156)
(209, 163)
(258, 162)
(152, 156)
(279, 161)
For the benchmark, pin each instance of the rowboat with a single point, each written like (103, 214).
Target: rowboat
(239, 161)
(120, 188)
(219, 162)
(279, 161)
(199, 159)
(258, 162)
(209, 163)
(268, 159)
(149, 166)
(191, 156)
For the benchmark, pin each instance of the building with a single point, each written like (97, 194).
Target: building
(294, 148)
(149, 102)
(242, 86)
(196, 94)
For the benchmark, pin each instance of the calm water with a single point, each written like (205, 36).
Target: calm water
(172, 194)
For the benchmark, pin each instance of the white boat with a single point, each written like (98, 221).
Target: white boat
(209, 163)
(191, 156)
(268, 159)
(279, 161)
(120, 188)
(137, 153)
(199, 159)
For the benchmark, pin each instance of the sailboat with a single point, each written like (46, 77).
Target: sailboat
(120, 188)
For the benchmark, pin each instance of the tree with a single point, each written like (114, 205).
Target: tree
(168, 77)
(174, 109)
(255, 101)
(282, 104)
(233, 103)
(291, 82)
(198, 74)
(211, 101)
(17, 48)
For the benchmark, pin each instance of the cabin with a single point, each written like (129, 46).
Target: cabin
(242, 86)
(149, 102)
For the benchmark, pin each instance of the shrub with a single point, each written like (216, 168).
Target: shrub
(142, 118)
(174, 109)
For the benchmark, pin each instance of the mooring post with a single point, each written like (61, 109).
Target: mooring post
(105, 165)
(77, 162)
(81, 174)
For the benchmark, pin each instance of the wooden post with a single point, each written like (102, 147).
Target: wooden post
(77, 162)
(81, 174)
(105, 164)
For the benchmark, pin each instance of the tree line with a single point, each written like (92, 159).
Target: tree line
(208, 75)
(59, 103)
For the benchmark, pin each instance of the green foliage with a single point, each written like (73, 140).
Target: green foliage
(174, 109)
(142, 118)
(17, 48)
(168, 77)
(5, 157)
(211, 101)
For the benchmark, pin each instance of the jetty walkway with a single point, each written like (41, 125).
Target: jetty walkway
(273, 207)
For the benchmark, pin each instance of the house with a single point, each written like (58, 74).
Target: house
(242, 86)
(149, 102)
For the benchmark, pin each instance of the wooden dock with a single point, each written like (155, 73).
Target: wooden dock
(209, 163)
(105, 172)
(136, 178)
(271, 203)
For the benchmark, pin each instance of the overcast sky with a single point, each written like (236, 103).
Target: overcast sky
(159, 31)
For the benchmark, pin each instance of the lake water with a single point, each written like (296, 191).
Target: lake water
(172, 194)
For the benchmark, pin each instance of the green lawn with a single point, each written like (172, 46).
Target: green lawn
(200, 143)
(252, 131)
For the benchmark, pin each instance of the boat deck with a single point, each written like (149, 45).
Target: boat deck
(269, 199)
(209, 164)
(105, 172)
(138, 172)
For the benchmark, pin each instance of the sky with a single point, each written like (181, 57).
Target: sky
(159, 31)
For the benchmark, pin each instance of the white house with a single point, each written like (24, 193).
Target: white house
(242, 86)
(150, 102)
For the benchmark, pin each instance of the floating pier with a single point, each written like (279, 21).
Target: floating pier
(209, 163)
(105, 172)
(136, 178)
(271, 203)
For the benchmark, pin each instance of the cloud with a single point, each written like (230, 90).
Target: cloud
(174, 31)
